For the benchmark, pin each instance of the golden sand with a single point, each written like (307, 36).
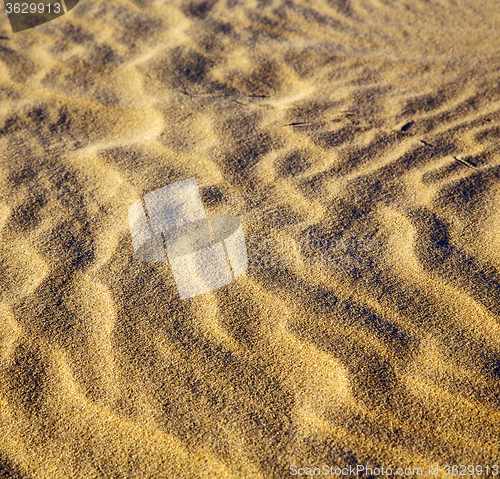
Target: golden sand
(358, 143)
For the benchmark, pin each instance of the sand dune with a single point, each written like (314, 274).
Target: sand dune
(358, 143)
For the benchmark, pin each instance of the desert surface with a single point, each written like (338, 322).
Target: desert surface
(357, 141)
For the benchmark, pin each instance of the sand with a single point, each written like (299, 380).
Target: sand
(358, 143)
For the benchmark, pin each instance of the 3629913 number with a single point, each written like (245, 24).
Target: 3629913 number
(471, 470)
(33, 8)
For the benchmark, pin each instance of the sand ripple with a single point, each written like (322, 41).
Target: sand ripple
(358, 143)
